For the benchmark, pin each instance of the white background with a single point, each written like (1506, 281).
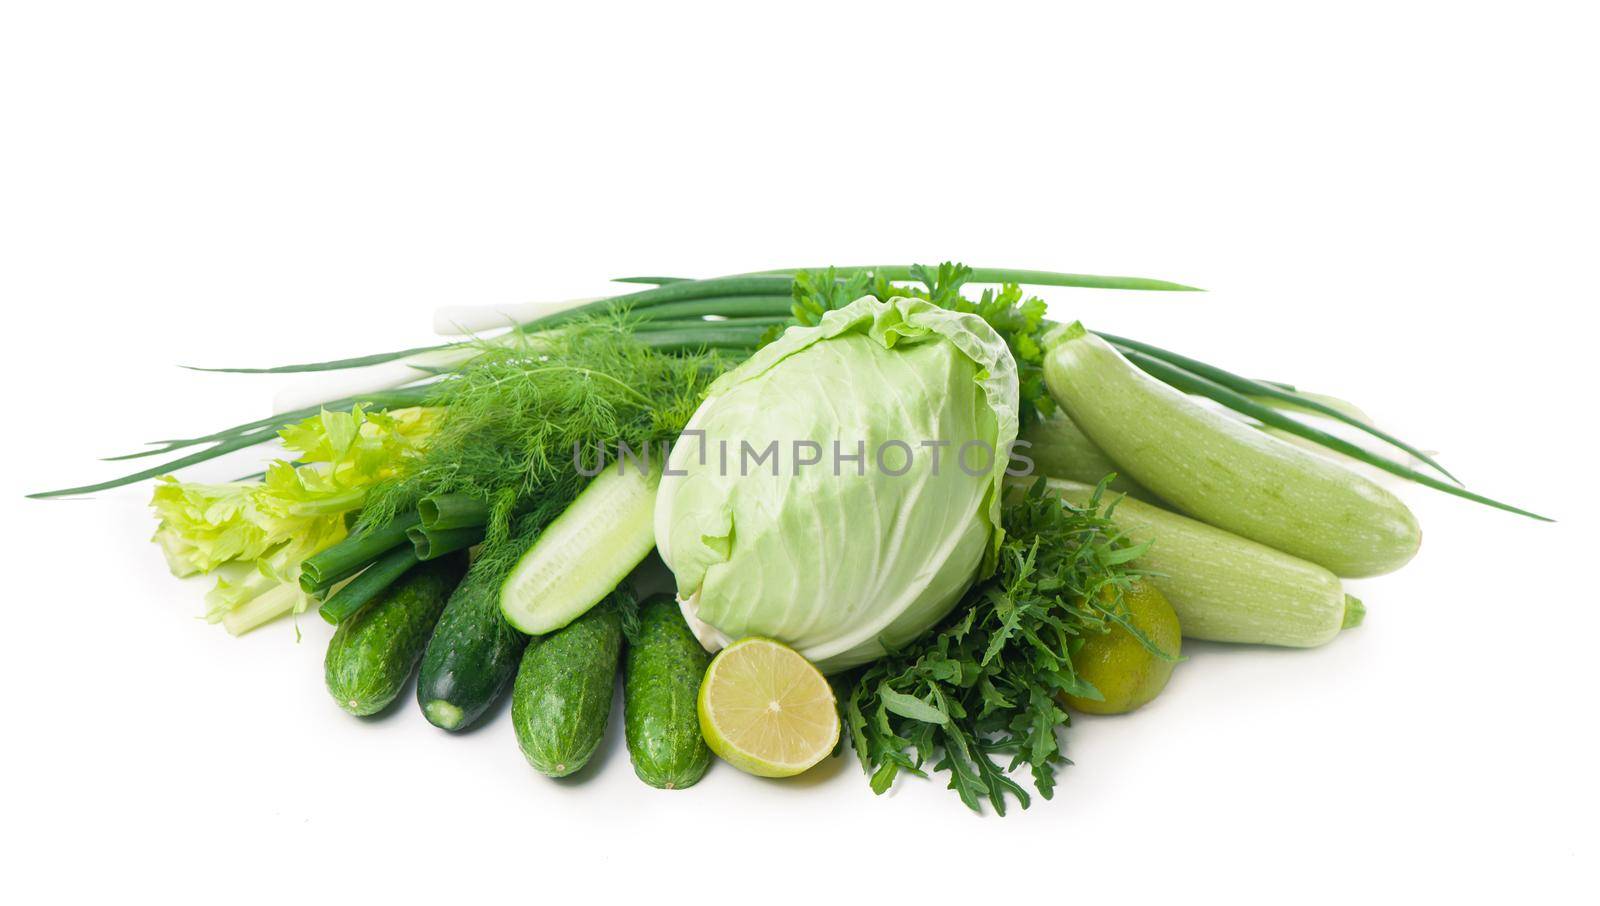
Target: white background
(1392, 202)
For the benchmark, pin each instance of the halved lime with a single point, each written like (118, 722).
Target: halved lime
(766, 710)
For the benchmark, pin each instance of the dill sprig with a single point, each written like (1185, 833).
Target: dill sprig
(519, 413)
(987, 682)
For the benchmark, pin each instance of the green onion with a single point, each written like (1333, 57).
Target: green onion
(704, 337)
(449, 511)
(979, 275)
(771, 283)
(650, 281)
(237, 442)
(240, 437)
(722, 306)
(332, 365)
(397, 398)
(431, 544)
(366, 586)
(1007, 275)
(323, 570)
(716, 325)
(1189, 382)
(749, 285)
(750, 305)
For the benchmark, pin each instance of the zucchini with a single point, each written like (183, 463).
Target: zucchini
(1224, 472)
(372, 653)
(1226, 588)
(586, 552)
(661, 682)
(562, 697)
(473, 653)
(1349, 410)
(1060, 449)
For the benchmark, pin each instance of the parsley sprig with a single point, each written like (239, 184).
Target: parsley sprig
(985, 684)
(1019, 319)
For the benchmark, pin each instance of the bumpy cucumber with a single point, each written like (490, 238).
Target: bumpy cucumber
(472, 656)
(562, 697)
(586, 552)
(1226, 588)
(373, 652)
(1225, 473)
(661, 679)
(1060, 449)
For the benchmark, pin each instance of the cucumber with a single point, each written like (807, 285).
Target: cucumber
(1060, 449)
(473, 653)
(1224, 472)
(1226, 588)
(373, 651)
(661, 682)
(585, 552)
(562, 697)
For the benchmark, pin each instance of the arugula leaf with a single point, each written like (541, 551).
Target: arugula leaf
(987, 681)
(910, 706)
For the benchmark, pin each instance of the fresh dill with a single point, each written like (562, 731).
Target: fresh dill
(519, 414)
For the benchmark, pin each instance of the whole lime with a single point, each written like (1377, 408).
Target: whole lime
(1126, 672)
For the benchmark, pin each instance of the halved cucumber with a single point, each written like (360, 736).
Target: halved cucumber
(585, 553)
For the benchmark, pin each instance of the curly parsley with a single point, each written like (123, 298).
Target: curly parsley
(1017, 318)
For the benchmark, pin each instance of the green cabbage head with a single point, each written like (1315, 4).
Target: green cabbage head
(840, 563)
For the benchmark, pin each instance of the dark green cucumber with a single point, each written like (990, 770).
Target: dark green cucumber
(373, 652)
(473, 653)
(562, 696)
(661, 682)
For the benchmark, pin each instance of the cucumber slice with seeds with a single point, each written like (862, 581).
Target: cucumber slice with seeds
(586, 552)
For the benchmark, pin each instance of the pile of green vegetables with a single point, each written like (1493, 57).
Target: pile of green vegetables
(484, 512)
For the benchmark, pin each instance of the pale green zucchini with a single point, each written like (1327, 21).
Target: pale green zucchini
(1332, 402)
(1316, 449)
(1344, 459)
(1060, 449)
(1226, 588)
(1311, 446)
(586, 552)
(1224, 472)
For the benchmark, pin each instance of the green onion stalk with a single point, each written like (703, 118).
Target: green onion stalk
(431, 544)
(451, 511)
(323, 570)
(370, 583)
(735, 315)
(732, 314)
